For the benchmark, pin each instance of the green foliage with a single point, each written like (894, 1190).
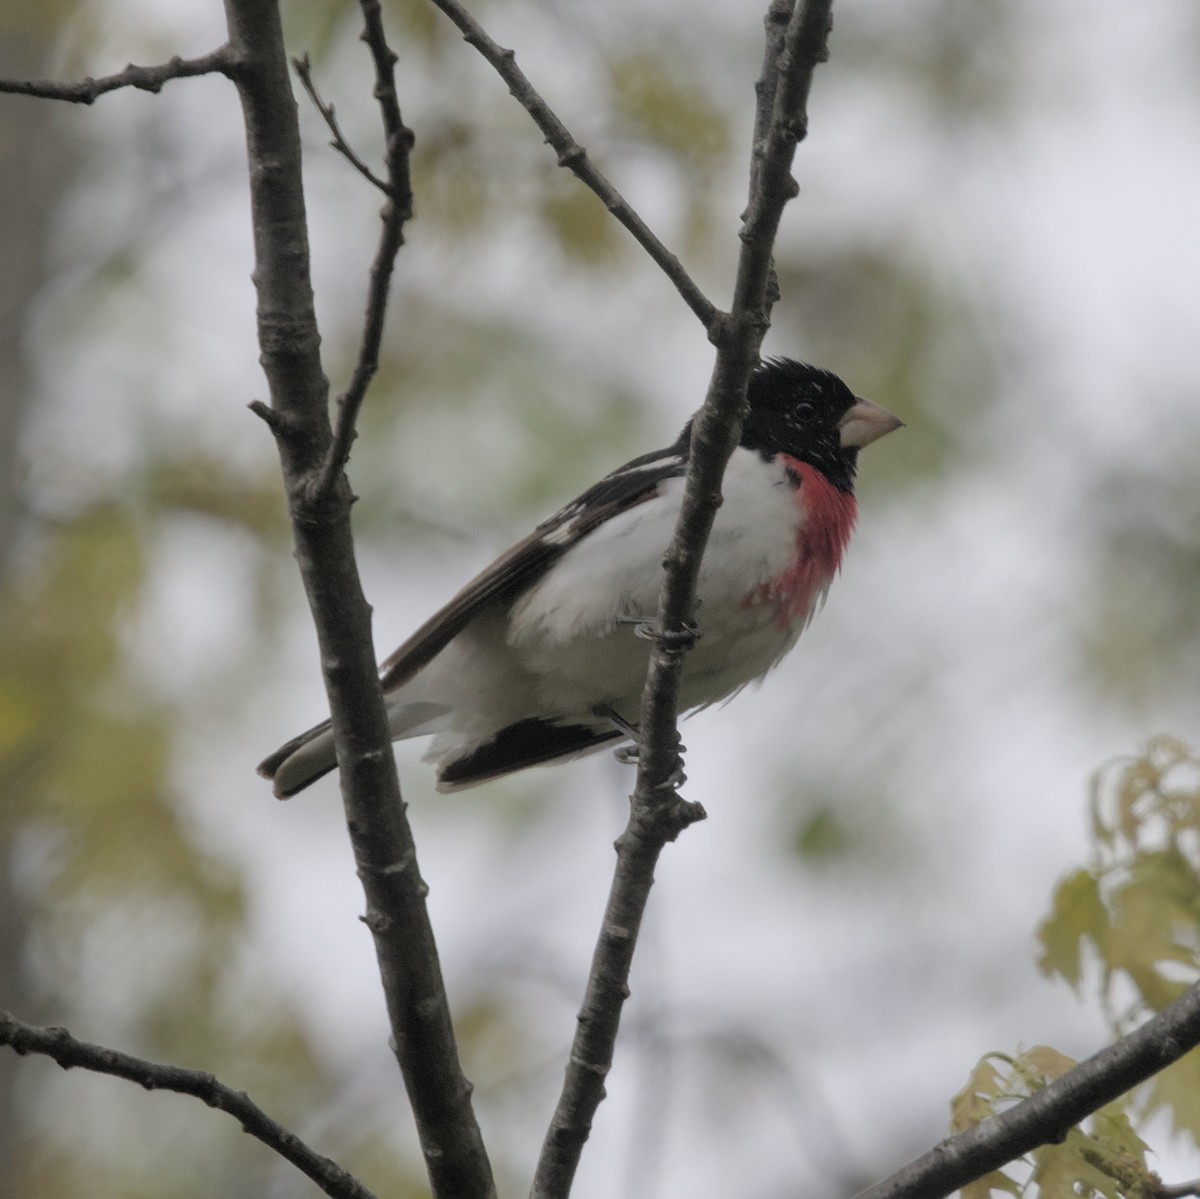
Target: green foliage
(1134, 911)
(1136, 908)
(1103, 1157)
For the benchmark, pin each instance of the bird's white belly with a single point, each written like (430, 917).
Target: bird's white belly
(574, 632)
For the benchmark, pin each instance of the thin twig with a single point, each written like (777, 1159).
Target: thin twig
(303, 69)
(658, 814)
(422, 1036)
(575, 157)
(397, 210)
(1049, 1114)
(145, 79)
(61, 1047)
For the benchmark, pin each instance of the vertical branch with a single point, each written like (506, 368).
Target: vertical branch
(422, 1036)
(658, 814)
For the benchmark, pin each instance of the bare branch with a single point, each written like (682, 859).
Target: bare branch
(146, 79)
(575, 158)
(657, 813)
(303, 69)
(58, 1045)
(1047, 1116)
(397, 210)
(421, 1033)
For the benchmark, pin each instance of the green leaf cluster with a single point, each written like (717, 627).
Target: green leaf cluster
(1104, 1157)
(1136, 907)
(1134, 911)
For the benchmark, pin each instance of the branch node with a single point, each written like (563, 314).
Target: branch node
(597, 1069)
(390, 868)
(275, 421)
(378, 922)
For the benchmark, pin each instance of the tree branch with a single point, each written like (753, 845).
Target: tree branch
(422, 1035)
(573, 156)
(58, 1045)
(146, 79)
(1055, 1109)
(303, 68)
(397, 210)
(657, 813)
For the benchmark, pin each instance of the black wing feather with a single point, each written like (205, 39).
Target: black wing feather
(530, 742)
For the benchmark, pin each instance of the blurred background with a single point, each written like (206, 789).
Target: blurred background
(995, 237)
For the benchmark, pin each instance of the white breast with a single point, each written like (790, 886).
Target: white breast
(574, 629)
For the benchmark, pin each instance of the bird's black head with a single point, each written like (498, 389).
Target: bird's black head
(811, 415)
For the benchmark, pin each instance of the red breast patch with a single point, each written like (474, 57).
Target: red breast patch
(829, 516)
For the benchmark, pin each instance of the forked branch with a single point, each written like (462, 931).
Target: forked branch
(1047, 1116)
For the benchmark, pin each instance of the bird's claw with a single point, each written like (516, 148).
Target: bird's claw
(630, 755)
(676, 778)
(672, 641)
(647, 628)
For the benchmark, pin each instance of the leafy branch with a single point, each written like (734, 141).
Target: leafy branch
(1050, 1113)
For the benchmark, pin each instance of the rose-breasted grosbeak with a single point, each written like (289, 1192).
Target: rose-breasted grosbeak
(535, 660)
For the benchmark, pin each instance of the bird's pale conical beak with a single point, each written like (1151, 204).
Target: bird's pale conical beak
(867, 422)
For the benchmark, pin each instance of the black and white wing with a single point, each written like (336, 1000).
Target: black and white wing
(305, 758)
(526, 562)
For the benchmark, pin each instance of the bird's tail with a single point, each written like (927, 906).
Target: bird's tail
(301, 761)
(310, 756)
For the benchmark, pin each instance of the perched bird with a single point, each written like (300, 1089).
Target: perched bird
(536, 660)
